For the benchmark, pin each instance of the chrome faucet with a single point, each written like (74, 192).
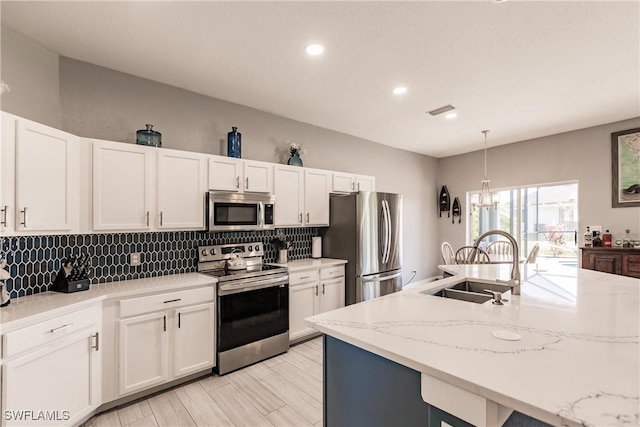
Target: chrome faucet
(514, 282)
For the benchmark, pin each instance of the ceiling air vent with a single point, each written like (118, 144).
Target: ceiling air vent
(442, 110)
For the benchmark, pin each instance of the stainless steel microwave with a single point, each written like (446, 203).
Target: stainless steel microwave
(237, 211)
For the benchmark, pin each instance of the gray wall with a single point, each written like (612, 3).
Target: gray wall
(32, 73)
(583, 155)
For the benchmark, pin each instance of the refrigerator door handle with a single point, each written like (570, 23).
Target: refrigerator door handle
(380, 277)
(387, 229)
(382, 234)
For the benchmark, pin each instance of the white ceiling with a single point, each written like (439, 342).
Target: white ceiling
(522, 69)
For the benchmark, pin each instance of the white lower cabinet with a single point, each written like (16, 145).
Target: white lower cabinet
(51, 372)
(312, 292)
(156, 346)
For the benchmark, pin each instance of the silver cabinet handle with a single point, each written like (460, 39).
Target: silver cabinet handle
(353, 185)
(246, 185)
(358, 186)
(160, 218)
(238, 182)
(59, 328)
(147, 218)
(304, 277)
(307, 216)
(300, 216)
(24, 213)
(316, 290)
(4, 215)
(323, 289)
(164, 323)
(97, 337)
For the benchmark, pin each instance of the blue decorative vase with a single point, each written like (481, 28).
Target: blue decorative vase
(234, 143)
(295, 160)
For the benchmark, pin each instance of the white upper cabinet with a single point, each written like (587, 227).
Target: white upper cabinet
(225, 173)
(237, 175)
(40, 178)
(316, 197)
(122, 186)
(343, 182)
(182, 178)
(258, 177)
(288, 188)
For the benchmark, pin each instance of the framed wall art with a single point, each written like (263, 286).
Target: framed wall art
(625, 168)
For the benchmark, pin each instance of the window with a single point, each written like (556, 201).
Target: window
(542, 214)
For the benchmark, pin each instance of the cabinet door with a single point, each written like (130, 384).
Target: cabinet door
(62, 377)
(47, 164)
(331, 294)
(288, 188)
(302, 304)
(6, 177)
(316, 197)
(121, 186)
(225, 173)
(194, 344)
(343, 182)
(142, 351)
(631, 265)
(604, 262)
(258, 177)
(365, 183)
(181, 188)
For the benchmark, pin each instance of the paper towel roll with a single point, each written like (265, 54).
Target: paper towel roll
(316, 247)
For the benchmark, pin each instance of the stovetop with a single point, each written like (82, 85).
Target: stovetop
(212, 261)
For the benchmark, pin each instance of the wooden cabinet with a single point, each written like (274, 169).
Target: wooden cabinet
(311, 292)
(182, 181)
(343, 182)
(53, 365)
(288, 188)
(40, 178)
(159, 345)
(622, 261)
(122, 186)
(237, 175)
(316, 197)
(302, 196)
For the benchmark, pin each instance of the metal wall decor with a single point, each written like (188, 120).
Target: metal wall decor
(456, 211)
(444, 201)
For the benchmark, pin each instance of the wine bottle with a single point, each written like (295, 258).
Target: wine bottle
(606, 239)
(587, 238)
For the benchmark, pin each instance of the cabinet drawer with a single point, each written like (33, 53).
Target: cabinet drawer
(328, 273)
(298, 277)
(45, 332)
(147, 304)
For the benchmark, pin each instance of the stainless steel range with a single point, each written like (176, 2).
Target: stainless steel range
(253, 304)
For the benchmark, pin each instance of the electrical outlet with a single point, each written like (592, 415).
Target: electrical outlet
(134, 259)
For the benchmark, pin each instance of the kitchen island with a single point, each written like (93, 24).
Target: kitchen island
(576, 362)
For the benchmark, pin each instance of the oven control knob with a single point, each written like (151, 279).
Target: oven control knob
(204, 252)
(213, 251)
(257, 248)
(250, 248)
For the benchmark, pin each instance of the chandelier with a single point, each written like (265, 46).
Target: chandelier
(486, 199)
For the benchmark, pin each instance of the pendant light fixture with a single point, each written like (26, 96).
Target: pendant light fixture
(486, 199)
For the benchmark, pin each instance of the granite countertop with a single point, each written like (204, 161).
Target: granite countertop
(27, 309)
(576, 364)
(309, 263)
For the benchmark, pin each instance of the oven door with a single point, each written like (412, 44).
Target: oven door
(252, 313)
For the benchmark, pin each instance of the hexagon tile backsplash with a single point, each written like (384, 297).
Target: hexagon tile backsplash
(33, 261)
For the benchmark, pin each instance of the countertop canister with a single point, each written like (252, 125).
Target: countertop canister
(316, 247)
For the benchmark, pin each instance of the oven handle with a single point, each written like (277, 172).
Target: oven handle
(231, 289)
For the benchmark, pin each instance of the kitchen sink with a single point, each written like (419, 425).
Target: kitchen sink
(471, 291)
(480, 287)
(463, 295)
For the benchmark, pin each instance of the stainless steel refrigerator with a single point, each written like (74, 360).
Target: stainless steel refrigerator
(366, 230)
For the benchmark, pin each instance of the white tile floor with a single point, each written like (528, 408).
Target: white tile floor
(283, 391)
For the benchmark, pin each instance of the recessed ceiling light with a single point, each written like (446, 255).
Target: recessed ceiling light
(399, 90)
(451, 115)
(315, 49)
